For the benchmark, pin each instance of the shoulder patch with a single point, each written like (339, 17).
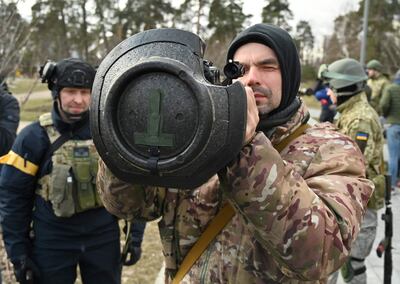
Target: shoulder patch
(361, 140)
(45, 119)
(363, 136)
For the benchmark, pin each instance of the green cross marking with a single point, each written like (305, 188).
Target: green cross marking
(153, 135)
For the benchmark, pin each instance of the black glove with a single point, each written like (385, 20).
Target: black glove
(132, 254)
(25, 270)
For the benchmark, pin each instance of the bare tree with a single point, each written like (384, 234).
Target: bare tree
(304, 39)
(14, 35)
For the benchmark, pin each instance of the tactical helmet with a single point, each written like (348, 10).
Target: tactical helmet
(70, 72)
(375, 65)
(344, 73)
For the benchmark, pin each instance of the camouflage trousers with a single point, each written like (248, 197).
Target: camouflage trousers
(361, 248)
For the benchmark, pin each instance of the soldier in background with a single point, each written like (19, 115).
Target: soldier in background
(48, 180)
(320, 90)
(288, 224)
(390, 107)
(377, 82)
(360, 121)
(9, 118)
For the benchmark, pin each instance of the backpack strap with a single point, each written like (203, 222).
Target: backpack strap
(221, 219)
(299, 131)
(57, 144)
(54, 147)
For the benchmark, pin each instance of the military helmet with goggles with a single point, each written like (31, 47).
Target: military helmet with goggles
(345, 73)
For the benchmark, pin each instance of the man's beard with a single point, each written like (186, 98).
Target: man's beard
(266, 92)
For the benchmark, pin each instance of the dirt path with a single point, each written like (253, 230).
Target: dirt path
(35, 95)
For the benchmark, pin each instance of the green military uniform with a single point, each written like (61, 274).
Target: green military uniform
(390, 106)
(377, 86)
(359, 121)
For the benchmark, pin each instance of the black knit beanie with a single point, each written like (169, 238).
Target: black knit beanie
(282, 44)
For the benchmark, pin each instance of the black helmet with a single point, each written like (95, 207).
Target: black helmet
(70, 72)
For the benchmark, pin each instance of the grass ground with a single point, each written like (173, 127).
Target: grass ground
(145, 271)
(24, 85)
(311, 102)
(32, 109)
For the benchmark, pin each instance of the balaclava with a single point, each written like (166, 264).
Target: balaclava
(282, 44)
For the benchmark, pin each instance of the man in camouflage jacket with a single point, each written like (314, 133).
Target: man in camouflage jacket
(390, 106)
(377, 82)
(361, 122)
(297, 212)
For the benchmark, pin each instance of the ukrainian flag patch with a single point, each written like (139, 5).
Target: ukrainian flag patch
(362, 136)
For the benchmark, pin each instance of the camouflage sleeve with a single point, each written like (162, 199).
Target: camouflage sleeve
(128, 201)
(368, 133)
(361, 131)
(304, 205)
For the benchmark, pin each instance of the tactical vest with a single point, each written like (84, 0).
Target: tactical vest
(71, 185)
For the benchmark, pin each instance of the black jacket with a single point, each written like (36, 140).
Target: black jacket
(9, 120)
